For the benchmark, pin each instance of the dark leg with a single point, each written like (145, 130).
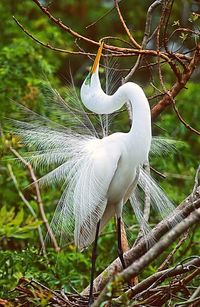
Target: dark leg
(120, 250)
(94, 256)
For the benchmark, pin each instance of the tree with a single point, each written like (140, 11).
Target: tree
(166, 55)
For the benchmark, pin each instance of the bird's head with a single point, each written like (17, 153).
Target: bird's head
(95, 67)
(91, 85)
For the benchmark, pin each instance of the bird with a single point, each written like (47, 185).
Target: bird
(99, 174)
(117, 157)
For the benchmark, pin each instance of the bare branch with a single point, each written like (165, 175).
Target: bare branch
(47, 45)
(116, 51)
(136, 267)
(169, 257)
(38, 198)
(158, 277)
(145, 38)
(125, 26)
(196, 181)
(177, 87)
(183, 121)
(25, 201)
(184, 209)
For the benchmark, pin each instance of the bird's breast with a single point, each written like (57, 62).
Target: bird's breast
(133, 154)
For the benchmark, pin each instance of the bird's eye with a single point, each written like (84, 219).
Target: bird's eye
(88, 79)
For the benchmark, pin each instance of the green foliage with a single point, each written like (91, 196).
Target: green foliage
(23, 64)
(14, 225)
(67, 269)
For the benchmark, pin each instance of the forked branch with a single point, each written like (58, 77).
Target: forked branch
(136, 252)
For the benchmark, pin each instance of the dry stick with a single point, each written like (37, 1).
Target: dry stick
(167, 13)
(158, 277)
(61, 25)
(161, 24)
(196, 293)
(157, 172)
(169, 257)
(181, 284)
(178, 86)
(183, 30)
(47, 45)
(168, 92)
(182, 120)
(117, 53)
(196, 181)
(191, 276)
(183, 210)
(124, 51)
(173, 101)
(125, 26)
(38, 198)
(190, 302)
(115, 38)
(100, 18)
(166, 16)
(145, 38)
(135, 268)
(25, 201)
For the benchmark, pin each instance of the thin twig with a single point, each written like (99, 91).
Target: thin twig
(100, 18)
(145, 38)
(183, 121)
(158, 277)
(38, 198)
(47, 45)
(196, 181)
(157, 172)
(114, 49)
(125, 26)
(169, 257)
(184, 209)
(30, 208)
(178, 86)
(135, 268)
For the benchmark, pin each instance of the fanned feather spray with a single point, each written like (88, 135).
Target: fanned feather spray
(64, 149)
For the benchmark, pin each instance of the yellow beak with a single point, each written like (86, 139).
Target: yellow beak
(97, 59)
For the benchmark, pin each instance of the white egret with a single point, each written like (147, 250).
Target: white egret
(117, 157)
(99, 175)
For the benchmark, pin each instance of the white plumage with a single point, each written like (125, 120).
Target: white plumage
(98, 174)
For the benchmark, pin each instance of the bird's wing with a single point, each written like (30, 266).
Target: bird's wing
(75, 161)
(90, 191)
(84, 199)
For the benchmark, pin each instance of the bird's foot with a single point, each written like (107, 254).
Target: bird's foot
(90, 301)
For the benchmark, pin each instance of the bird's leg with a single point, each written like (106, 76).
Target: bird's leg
(94, 256)
(119, 235)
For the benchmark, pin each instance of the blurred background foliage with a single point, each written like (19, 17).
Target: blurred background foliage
(24, 67)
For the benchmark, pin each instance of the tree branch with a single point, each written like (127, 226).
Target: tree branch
(114, 49)
(183, 210)
(38, 198)
(137, 266)
(145, 38)
(25, 201)
(125, 26)
(158, 277)
(177, 87)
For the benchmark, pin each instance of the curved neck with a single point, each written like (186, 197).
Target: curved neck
(141, 115)
(97, 101)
